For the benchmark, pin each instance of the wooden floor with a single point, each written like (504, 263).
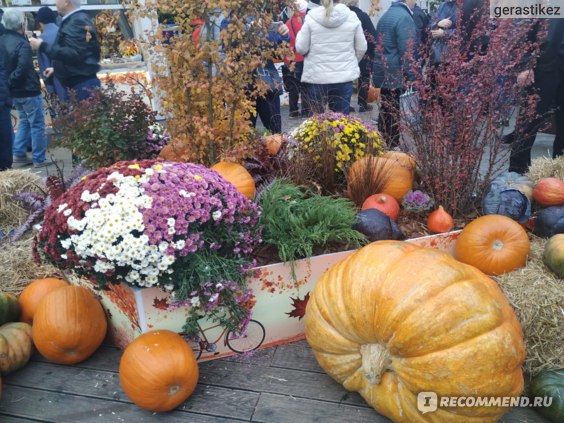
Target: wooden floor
(276, 385)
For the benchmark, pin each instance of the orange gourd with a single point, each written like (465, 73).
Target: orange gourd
(383, 202)
(32, 295)
(395, 319)
(175, 151)
(440, 221)
(158, 371)
(494, 244)
(69, 325)
(238, 176)
(549, 192)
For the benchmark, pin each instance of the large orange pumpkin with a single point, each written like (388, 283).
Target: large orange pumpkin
(399, 178)
(495, 244)
(401, 158)
(32, 295)
(158, 371)
(395, 319)
(549, 192)
(238, 176)
(69, 325)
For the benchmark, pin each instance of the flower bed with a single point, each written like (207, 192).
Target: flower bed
(276, 315)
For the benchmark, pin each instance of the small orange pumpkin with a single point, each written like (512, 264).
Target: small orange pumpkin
(273, 143)
(238, 176)
(549, 192)
(440, 221)
(32, 295)
(383, 202)
(495, 244)
(373, 94)
(158, 371)
(175, 151)
(69, 325)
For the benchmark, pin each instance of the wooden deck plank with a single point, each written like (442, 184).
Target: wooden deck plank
(62, 408)
(287, 409)
(11, 419)
(277, 381)
(297, 356)
(105, 385)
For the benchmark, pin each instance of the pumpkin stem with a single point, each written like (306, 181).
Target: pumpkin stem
(375, 361)
(497, 245)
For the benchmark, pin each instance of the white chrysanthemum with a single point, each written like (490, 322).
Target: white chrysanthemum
(62, 207)
(216, 215)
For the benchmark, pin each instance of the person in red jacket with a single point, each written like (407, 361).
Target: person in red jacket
(292, 70)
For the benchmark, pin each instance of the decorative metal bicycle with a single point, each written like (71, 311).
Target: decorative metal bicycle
(249, 341)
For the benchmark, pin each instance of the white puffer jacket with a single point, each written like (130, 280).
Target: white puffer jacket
(332, 46)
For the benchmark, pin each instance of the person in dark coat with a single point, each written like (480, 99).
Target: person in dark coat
(558, 146)
(543, 79)
(367, 61)
(48, 18)
(394, 65)
(6, 131)
(421, 19)
(75, 52)
(2, 29)
(25, 91)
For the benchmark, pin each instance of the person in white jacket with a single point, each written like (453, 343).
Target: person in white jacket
(332, 42)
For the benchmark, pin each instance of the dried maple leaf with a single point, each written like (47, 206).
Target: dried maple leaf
(161, 304)
(299, 307)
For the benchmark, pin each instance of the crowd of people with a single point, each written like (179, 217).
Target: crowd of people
(68, 55)
(334, 43)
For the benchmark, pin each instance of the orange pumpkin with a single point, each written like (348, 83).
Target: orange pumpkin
(273, 143)
(32, 295)
(383, 202)
(401, 158)
(373, 94)
(399, 179)
(440, 221)
(238, 176)
(549, 192)
(395, 319)
(494, 244)
(69, 325)
(158, 371)
(175, 151)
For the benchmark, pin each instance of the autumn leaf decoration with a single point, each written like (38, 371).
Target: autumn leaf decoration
(161, 304)
(299, 306)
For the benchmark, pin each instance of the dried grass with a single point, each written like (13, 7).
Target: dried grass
(17, 268)
(368, 176)
(537, 296)
(14, 182)
(544, 167)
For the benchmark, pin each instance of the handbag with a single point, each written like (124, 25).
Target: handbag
(409, 106)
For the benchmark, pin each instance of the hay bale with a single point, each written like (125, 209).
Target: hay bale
(14, 182)
(537, 296)
(17, 268)
(544, 167)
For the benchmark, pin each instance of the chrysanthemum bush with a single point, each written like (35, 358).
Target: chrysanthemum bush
(179, 226)
(347, 137)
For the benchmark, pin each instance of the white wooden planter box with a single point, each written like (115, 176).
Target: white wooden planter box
(133, 311)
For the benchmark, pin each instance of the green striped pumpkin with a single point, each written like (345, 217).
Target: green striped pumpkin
(9, 308)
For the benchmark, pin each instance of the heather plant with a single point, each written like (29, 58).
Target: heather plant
(110, 126)
(206, 77)
(178, 226)
(454, 130)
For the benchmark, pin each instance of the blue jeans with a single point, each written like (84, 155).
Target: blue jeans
(84, 89)
(338, 96)
(31, 129)
(6, 138)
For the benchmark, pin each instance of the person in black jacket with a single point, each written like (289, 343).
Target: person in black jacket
(75, 52)
(25, 91)
(2, 29)
(6, 131)
(367, 61)
(542, 79)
